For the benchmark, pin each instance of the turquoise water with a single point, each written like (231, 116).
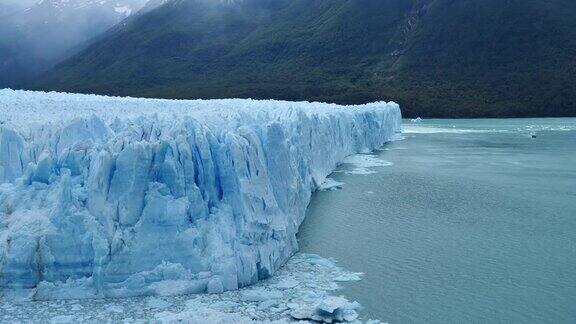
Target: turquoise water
(474, 222)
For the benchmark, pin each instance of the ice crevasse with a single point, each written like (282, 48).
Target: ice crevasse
(114, 197)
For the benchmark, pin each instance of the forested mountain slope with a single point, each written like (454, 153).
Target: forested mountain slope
(447, 58)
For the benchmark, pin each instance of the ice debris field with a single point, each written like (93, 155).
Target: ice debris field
(117, 197)
(301, 291)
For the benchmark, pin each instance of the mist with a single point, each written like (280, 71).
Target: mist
(34, 40)
(19, 2)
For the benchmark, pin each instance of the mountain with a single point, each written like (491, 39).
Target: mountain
(34, 35)
(437, 58)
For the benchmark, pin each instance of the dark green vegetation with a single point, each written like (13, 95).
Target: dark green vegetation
(437, 58)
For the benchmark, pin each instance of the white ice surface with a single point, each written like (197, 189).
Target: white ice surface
(364, 164)
(116, 197)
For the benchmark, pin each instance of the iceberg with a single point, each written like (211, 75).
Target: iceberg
(117, 197)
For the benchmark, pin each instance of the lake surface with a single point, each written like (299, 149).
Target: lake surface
(473, 221)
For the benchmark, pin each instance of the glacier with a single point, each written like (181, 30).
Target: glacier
(118, 197)
(302, 291)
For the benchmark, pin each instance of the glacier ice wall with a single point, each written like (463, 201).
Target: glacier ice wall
(106, 197)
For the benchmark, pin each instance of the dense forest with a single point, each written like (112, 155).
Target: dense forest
(437, 58)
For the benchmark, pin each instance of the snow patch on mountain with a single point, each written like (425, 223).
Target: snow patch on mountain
(120, 6)
(109, 197)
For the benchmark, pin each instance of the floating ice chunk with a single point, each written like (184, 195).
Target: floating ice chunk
(202, 316)
(363, 164)
(330, 184)
(76, 307)
(62, 319)
(267, 304)
(177, 287)
(287, 283)
(157, 303)
(328, 310)
(260, 294)
(349, 277)
(114, 309)
(318, 260)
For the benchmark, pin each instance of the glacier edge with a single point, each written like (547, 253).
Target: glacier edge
(117, 197)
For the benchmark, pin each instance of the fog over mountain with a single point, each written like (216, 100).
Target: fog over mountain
(19, 2)
(10, 6)
(34, 35)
